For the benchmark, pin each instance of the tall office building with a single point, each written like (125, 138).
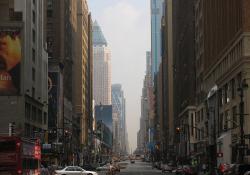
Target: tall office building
(118, 103)
(23, 67)
(167, 123)
(70, 63)
(157, 7)
(82, 76)
(222, 54)
(184, 75)
(102, 67)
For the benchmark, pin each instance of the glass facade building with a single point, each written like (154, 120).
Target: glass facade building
(156, 7)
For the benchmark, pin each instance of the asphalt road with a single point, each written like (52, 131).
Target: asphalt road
(139, 168)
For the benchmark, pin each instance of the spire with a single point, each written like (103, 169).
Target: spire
(98, 37)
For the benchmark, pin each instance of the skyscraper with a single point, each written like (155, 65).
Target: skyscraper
(118, 103)
(156, 16)
(102, 67)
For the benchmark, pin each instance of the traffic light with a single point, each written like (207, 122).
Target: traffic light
(12, 128)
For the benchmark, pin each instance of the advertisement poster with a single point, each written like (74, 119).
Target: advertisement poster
(10, 60)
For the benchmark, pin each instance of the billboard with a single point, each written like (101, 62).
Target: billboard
(10, 60)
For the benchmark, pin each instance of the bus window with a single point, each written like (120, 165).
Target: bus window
(24, 164)
(8, 146)
(30, 164)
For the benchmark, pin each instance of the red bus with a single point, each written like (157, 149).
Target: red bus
(19, 156)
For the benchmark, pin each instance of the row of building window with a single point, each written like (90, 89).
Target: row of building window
(33, 131)
(32, 113)
(228, 91)
(226, 121)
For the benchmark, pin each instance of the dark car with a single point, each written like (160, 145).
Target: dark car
(238, 169)
(132, 161)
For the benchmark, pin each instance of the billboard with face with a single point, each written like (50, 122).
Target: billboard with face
(10, 60)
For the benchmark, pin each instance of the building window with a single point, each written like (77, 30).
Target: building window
(192, 124)
(220, 123)
(33, 113)
(33, 35)
(33, 92)
(202, 114)
(50, 4)
(33, 55)
(202, 133)
(49, 13)
(27, 130)
(40, 116)
(198, 117)
(45, 118)
(220, 97)
(226, 90)
(233, 88)
(34, 17)
(226, 120)
(27, 110)
(239, 79)
(33, 74)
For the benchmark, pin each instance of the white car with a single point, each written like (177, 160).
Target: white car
(74, 170)
(247, 173)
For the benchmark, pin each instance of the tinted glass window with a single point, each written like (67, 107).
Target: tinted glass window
(70, 169)
(8, 146)
(30, 164)
(78, 169)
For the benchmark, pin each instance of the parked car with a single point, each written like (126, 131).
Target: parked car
(187, 170)
(178, 171)
(132, 161)
(167, 168)
(158, 165)
(103, 168)
(74, 170)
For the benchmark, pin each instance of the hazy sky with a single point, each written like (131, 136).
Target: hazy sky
(126, 26)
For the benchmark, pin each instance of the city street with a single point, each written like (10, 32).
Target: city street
(139, 168)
